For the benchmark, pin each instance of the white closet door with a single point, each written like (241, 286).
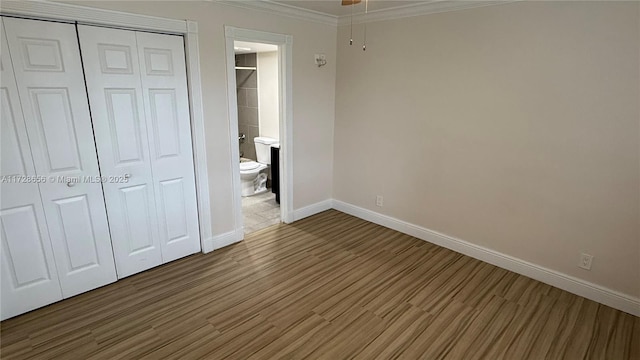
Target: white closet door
(164, 83)
(28, 273)
(50, 81)
(113, 80)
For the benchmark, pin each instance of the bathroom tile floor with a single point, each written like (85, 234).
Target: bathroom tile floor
(260, 211)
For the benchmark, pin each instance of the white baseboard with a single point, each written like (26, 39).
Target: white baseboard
(571, 284)
(222, 240)
(228, 238)
(312, 209)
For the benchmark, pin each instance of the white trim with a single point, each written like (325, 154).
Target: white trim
(425, 8)
(312, 209)
(285, 88)
(396, 12)
(615, 299)
(70, 12)
(93, 16)
(194, 80)
(285, 61)
(188, 29)
(222, 240)
(233, 136)
(249, 35)
(280, 9)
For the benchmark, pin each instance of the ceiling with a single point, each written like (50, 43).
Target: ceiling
(334, 7)
(243, 47)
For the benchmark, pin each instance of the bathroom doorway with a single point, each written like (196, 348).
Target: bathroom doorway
(258, 132)
(259, 87)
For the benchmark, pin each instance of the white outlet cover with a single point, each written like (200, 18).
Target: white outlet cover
(379, 200)
(585, 261)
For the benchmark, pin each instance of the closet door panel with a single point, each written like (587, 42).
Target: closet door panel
(113, 81)
(28, 273)
(74, 221)
(54, 126)
(50, 81)
(164, 85)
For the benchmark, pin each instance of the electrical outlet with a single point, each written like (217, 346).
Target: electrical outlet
(585, 261)
(379, 201)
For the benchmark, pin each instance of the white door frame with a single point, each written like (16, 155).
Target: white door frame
(186, 28)
(285, 86)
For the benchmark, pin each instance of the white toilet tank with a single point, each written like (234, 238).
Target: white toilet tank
(263, 149)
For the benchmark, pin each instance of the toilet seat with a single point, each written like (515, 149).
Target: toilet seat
(251, 167)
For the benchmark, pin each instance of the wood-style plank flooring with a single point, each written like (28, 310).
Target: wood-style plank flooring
(328, 287)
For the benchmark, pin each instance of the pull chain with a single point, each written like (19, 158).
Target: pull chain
(366, 10)
(351, 35)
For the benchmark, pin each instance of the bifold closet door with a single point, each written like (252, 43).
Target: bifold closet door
(48, 71)
(28, 273)
(143, 131)
(113, 83)
(164, 85)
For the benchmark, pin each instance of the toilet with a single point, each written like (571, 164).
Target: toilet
(253, 175)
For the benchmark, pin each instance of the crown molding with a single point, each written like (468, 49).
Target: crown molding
(426, 8)
(70, 12)
(283, 10)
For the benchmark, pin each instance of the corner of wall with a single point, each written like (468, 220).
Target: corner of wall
(600, 294)
(597, 293)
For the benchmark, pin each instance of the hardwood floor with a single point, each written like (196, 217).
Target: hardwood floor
(331, 287)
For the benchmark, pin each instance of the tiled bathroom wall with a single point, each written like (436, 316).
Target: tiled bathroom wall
(247, 90)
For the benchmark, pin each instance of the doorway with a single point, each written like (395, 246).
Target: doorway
(259, 85)
(258, 133)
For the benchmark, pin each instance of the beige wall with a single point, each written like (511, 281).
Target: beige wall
(269, 114)
(313, 94)
(514, 127)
